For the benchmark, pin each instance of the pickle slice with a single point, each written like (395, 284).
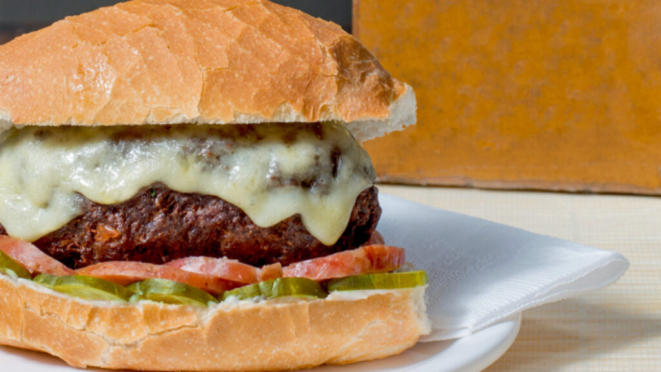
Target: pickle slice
(281, 287)
(46, 280)
(86, 287)
(9, 267)
(171, 292)
(408, 279)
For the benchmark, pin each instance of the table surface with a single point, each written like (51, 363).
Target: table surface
(614, 329)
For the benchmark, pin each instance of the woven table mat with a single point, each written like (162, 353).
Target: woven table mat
(614, 329)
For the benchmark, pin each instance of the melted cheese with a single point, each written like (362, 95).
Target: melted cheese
(270, 171)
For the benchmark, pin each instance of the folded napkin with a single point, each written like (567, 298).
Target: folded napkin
(480, 272)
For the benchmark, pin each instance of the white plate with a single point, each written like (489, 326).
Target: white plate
(468, 354)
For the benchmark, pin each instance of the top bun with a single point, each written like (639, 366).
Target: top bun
(198, 61)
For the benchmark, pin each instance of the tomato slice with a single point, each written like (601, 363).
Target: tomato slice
(124, 273)
(227, 269)
(32, 258)
(270, 272)
(369, 259)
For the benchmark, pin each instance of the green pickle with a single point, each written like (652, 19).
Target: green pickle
(403, 280)
(170, 292)
(9, 267)
(86, 287)
(46, 280)
(281, 287)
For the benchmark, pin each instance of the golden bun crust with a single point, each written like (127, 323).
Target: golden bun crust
(240, 336)
(198, 61)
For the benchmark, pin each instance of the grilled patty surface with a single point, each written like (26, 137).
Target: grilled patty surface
(159, 225)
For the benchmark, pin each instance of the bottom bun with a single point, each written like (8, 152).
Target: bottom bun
(231, 336)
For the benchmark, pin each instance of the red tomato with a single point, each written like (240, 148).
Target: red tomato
(227, 269)
(270, 272)
(369, 259)
(124, 273)
(32, 258)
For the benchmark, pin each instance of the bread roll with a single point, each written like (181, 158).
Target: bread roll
(198, 61)
(205, 62)
(236, 336)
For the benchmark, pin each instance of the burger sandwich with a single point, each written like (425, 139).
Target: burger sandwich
(182, 188)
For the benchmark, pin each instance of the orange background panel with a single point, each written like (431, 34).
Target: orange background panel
(558, 95)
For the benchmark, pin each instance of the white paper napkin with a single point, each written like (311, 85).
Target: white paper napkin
(480, 272)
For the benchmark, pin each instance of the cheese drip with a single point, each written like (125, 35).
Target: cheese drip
(270, 171)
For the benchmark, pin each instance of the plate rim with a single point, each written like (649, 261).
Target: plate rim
(490, 355)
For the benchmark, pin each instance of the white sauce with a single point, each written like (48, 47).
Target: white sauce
(270, 171)
(360, 295)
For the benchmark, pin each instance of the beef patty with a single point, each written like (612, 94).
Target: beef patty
(159, 225)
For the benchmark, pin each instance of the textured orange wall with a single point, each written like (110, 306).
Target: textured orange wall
(560, 95)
